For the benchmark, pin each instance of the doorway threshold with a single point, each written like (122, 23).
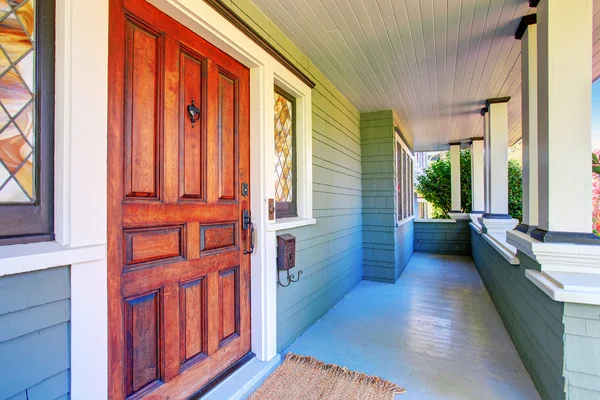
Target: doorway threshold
(243, 381)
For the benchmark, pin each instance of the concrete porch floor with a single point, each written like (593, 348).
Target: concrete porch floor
(435, 332)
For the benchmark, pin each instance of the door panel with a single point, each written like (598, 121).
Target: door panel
(192, 77)
(229, 304)
(142, 98)
(142, 328)
(226, 128)
(178, 281)
(193, 319)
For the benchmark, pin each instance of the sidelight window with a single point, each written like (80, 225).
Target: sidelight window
(26, 120)
(285, 155)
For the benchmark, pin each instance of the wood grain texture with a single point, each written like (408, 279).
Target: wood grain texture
(192, 169)
(142, 136)
(142, 324)
(193, 319)
(151, 244)
(217, 237)
(228, 304)
(227, 141)
(168, 180)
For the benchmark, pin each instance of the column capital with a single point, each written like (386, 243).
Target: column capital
(496, 101)
(454, 143)
(475, 139)
(527, 20)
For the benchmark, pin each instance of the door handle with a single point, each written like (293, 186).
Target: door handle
(247, 223)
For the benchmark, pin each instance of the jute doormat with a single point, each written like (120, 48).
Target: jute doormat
(306, 378)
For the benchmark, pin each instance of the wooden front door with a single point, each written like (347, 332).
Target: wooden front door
(178, 281)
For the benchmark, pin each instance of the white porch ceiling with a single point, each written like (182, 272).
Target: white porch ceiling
(434, 62)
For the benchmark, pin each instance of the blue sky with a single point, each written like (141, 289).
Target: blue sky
(596, 115)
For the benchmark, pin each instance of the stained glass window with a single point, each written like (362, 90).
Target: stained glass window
(17, 101)
(284, 154)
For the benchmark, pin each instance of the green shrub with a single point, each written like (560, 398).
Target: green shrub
(434, 186)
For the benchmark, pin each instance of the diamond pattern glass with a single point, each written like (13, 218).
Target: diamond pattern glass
(284, 152)
(17, 101)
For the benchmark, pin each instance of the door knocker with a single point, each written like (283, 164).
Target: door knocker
(193, 112)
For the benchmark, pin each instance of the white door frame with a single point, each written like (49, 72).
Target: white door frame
(81, 170)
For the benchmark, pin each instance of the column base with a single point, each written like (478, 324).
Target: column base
(564, 237)
(525, 228)
(475, 215)
(497, 226)
(458, 215)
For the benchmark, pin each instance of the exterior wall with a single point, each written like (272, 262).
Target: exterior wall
(582, 351)
(405, 246)
(330, 252)
(443, 237)
(34, 335)
(387, 247)
(533, 320)
(377, 141)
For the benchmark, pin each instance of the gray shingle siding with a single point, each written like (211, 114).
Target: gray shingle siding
(451, 238)
(34, 335)
(582, 351)
(533, 320)
(387, 248)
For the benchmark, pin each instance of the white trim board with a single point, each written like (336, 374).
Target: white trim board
(22, 258)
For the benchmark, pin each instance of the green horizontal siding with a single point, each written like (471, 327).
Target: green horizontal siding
(330, 252)
(387, 248)
(34, 335)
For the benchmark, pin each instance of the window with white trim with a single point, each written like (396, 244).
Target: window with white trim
(404, 180)
(285, 154)
(291, 159)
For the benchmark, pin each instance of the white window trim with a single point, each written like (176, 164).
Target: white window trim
(402, 221)
(303, 152)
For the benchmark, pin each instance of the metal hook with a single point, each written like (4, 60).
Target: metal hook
(290, 278)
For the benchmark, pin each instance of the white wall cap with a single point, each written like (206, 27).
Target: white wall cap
(559, 257)
(568, 287)
(507, 251)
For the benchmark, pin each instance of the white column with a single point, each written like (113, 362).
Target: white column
(564, 121)
(527, 33)
(477, 177)
(496, 220)
(498, 109)
(455, 177)
(486, 159)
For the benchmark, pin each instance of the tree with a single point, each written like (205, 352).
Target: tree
(434, 186)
